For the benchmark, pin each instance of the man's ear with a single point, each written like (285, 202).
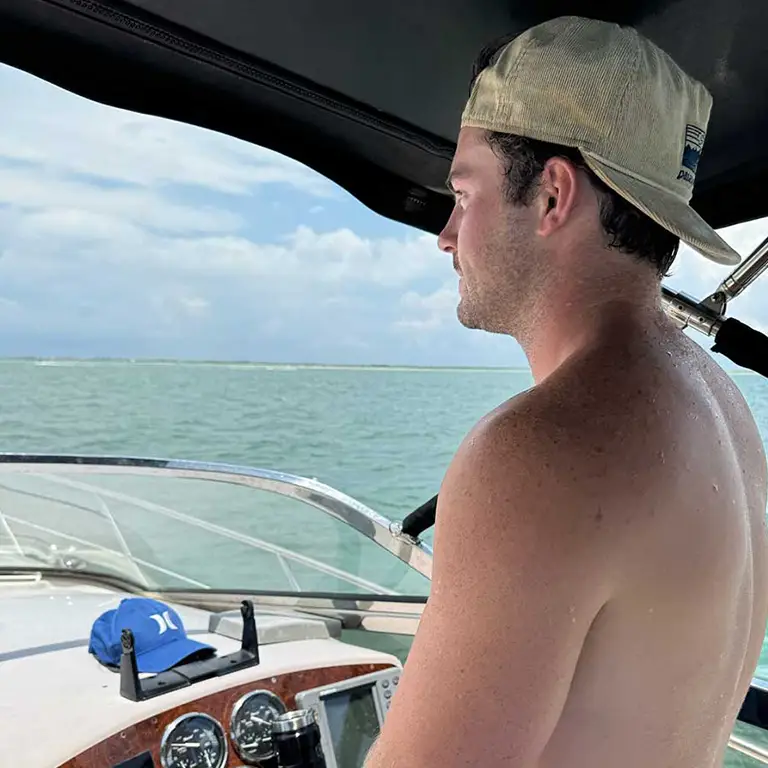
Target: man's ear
(558, 191)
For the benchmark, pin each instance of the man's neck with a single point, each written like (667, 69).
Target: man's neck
(575, 317)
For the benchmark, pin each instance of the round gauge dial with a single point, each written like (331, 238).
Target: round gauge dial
(194, 741)
(251, 726)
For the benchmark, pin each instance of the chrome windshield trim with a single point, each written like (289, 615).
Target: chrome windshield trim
(376, 527)
(738, 744)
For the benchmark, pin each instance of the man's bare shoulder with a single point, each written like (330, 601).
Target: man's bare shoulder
(574, 440)
(528, 482)
(607, 449)
(599, 449)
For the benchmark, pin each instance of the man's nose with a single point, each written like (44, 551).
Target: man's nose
(446, 240)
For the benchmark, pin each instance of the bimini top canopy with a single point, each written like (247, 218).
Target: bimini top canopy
(370, 94)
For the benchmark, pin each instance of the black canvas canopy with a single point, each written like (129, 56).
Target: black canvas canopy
(370, 93)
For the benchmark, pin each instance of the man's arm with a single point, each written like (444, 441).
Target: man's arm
(522, 567)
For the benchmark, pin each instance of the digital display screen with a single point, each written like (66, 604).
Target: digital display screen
(354, 724)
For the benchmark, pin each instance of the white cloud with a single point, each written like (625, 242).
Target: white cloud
(338, 257)
(180, 302)
(344, 256)
(64, 266)
(10, 310)
(50, 127)
(65, 206)
(431, 312)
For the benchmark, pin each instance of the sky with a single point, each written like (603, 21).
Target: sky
(125, 235)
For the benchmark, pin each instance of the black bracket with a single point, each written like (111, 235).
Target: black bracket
(421, 519)
(754, 709)
(135, 689)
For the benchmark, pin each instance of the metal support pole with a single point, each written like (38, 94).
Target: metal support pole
(708, 315)
(741, 277)
(689, 313)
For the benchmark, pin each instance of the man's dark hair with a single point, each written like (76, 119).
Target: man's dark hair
(629, 230)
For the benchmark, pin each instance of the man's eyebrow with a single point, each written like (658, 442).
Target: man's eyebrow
(457, 172)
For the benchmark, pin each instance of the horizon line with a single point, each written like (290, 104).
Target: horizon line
(730, 369)
(213, 361)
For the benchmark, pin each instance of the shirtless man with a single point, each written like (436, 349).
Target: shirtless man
(599, 587)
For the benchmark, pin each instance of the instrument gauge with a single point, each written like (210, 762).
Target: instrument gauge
(194, 740)
(251, 724)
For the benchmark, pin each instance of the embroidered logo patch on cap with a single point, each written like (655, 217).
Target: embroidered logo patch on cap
(694, 143)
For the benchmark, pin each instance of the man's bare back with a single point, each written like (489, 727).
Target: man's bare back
(667, 662)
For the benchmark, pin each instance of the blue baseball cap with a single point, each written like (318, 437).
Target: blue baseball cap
(160, 640)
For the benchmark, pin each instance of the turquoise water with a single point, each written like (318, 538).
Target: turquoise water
(383, 436)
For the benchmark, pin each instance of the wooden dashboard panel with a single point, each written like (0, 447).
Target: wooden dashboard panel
(145, 735)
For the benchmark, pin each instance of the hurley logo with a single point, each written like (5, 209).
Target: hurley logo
(164, 621)
(694, 143)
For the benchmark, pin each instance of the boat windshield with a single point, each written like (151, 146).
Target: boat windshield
(183, 525)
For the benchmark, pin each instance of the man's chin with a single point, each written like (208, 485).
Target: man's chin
(474, 321)
(466, 316)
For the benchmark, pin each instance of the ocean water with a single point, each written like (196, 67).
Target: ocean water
(382, 435)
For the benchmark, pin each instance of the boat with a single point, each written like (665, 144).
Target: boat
(370, 97)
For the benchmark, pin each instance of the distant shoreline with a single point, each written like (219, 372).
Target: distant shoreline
(269, 365)
(54, 361)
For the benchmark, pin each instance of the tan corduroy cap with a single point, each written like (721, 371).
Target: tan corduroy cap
(638, 119)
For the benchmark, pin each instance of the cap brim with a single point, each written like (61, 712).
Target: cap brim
(668, 210)
(168, 655)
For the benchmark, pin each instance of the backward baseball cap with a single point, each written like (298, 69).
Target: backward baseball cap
(638, 119)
